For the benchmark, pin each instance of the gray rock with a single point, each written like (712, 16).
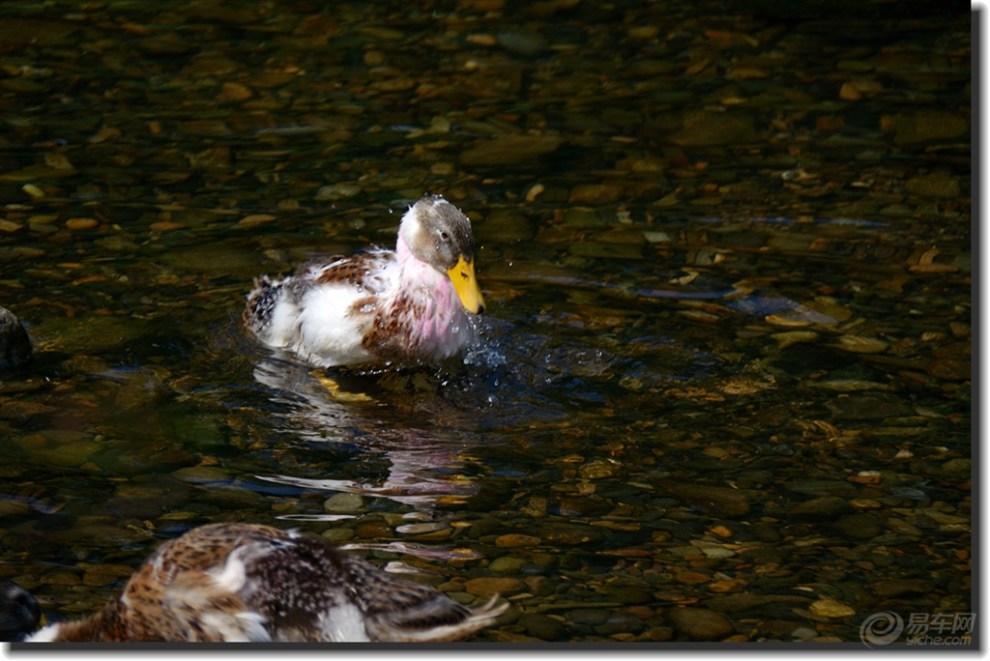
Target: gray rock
(337, 191)
(700, 623)
(523, 42)
(896, 587)
(337, 535)
(824, 507)
(588, 616)
(858, 526)
(343, 503)
(620, 622)
(543, 627)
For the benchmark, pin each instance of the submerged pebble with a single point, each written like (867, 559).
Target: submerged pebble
(487, 586)
(700, 624)
(344, 503)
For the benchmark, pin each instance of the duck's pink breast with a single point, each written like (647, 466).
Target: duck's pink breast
(438, 325)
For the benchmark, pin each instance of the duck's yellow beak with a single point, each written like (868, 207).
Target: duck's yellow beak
(466, 286)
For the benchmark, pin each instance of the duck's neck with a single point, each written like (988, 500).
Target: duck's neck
(413, 270)
(438, 322)
(403, 252)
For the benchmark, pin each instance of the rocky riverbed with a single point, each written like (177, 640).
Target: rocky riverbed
(724, 392)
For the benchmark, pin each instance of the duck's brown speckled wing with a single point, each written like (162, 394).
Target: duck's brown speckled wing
(179, 594)
(244, 582)
(315, 592)
(362, 271)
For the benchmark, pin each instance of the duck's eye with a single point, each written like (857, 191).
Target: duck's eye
(444, 235)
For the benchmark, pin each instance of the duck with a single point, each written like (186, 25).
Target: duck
(20, 613)
(243, 582)
(411, 304)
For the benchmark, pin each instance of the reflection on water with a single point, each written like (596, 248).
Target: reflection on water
(425, 466)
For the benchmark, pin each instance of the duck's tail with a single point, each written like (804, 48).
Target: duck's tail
(261, 304)
(438, 619)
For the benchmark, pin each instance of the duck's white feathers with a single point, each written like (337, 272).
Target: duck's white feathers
(379, 305)
(323, 312)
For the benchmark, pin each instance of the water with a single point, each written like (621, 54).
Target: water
(726, 357)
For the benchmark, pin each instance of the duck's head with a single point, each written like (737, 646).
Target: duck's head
(19, 612)
(439, 234)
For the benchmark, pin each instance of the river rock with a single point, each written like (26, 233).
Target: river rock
(708, 127)
(956, 470)
(742, 601)
(543, 626)
(717, 500)
(337, 535)
(831, 608)
(935, 184)
(203, 475)
(596, 193)
(813, 487)
(510, 149)
(337, 191)
(868, 407)
(523, 42)
(860, 525)
(489, 585)
(896, 587)
(510, 540)
(620, 622)
(564, 533)
(824, 507)
(590, 617)
(343, 503)
(700, 623)
(506, 564)
(925, 125)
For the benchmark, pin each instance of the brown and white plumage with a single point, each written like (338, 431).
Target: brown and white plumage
(381, 305)
(244, 582)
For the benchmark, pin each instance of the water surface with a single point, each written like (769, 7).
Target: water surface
(726, 253)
